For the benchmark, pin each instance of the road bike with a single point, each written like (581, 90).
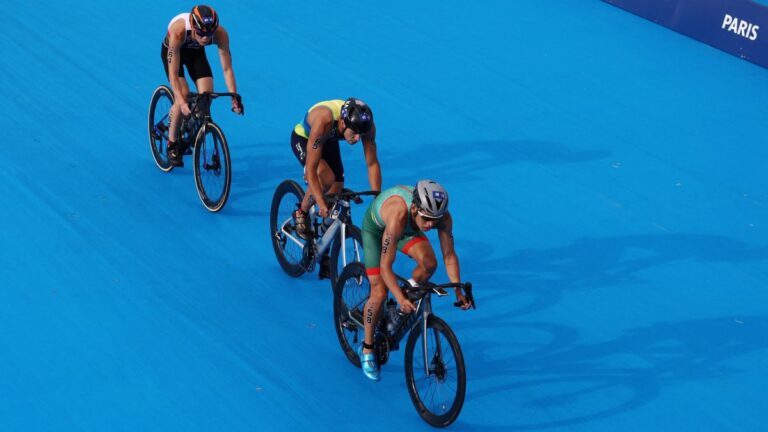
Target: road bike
(198, 135)
(297, 255)
(434, 365)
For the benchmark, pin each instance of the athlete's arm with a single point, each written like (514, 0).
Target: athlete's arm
(175, 39)
(221, 37)
(395, 215)
(451, 260)
(371, 159)
(320, 121)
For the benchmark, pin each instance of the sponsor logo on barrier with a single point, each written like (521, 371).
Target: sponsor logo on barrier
(740, 27)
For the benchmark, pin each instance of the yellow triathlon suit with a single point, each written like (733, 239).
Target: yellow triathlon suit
(330, 142)
(302, 129)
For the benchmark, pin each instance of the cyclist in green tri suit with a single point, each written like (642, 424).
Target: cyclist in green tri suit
(397, 219)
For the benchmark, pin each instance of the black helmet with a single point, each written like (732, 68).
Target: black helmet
(204, 19)
(357, 116)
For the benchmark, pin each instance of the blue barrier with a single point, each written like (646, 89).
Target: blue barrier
(734, 26)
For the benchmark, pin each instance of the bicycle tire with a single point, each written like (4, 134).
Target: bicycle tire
(157, 144)
(336, 267)
(219, 161)
(290, 263)
(444, 412)
(352, 288)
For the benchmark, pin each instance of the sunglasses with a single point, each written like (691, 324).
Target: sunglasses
(204, 34)
(428, 216)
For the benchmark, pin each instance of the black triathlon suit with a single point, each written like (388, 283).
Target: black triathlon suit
(331, 153)
(192, 56)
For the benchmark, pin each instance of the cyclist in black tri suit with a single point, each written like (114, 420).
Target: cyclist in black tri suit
(184, 45)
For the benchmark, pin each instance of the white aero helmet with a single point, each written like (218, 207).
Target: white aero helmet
(430, 197)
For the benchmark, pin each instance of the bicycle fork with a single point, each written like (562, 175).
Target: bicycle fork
(425, 338)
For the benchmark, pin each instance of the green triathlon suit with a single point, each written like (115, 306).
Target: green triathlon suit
(373, 228)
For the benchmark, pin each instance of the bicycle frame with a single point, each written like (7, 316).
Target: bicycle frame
(340, 214)
(200, 107)
(420, 317)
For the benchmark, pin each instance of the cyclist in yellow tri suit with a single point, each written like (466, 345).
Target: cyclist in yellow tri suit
(315, 142)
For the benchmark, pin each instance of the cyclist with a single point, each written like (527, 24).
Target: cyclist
(184, 45)
(324, 125)
(398, 218)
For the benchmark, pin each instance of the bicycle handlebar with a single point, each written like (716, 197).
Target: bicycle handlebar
(194, 98)
(349, 195)
(438, 288)
(213, 95)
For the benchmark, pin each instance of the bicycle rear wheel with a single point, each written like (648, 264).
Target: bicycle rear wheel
(159, 125)
(353, 246)
(287, 244)
(213, 167)
(350, 294)
(435, 376)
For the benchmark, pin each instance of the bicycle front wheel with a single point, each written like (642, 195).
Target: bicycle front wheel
(213, 168)
(352, 252)
(434, 372)
(159, 125)
(288, 246)
(350, 294)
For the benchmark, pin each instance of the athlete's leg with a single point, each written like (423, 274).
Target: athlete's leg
(327, 183)
(426, 263)
(372, 315)
(174, 115)
(204, 84)
(373, 308)
(372, 311)
(332, 155)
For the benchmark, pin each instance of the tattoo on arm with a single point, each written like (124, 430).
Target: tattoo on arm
(316, 144)
(170, 55)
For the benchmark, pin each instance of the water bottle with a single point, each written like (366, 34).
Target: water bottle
(393, 315)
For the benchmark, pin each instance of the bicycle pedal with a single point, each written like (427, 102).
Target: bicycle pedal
(349, 325)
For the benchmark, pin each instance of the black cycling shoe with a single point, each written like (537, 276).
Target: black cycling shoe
(325, 267)
(175, 156)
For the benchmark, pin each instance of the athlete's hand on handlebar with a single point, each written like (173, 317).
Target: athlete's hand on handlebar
(185, 109)
(237, 106)
(461, 301)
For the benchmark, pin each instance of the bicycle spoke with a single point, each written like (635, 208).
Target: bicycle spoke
(348, 298)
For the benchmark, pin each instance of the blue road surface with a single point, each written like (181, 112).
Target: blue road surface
(607, 181)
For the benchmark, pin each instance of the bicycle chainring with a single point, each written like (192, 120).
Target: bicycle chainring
(382, 349)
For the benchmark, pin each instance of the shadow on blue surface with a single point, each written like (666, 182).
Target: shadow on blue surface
(598, 262)
(564, 374)
(481, 156)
